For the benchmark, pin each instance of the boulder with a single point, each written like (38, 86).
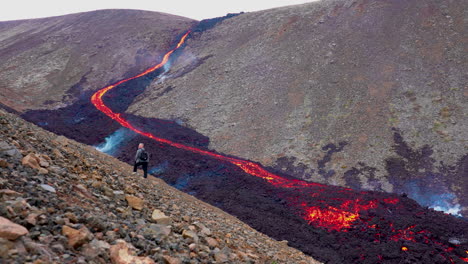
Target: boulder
(10, 230)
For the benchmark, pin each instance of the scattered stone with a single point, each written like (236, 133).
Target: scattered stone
(192, 246)
(47, 188)
(121, 253)
(43, 171)
(10, 230)
(58, 154)
(43, 162)
(100, 244)
(5, 246)
(32, 218)
(135, 202)
(80, 189)
(221, 257)
(77, 238)
(160, 218)
(157, 231)
(212, 243)
(8, 192)
(7, 150)
(190, 234)
(31, 160)
(171, 260)
(3, 163)
(71, 216)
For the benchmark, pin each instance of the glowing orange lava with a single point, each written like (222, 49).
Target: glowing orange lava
(404, 248)
(330, 217)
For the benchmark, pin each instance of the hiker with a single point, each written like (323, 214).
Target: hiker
(141, 158)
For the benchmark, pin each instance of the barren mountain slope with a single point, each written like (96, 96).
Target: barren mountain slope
(48, 63)
(81, 206)
(368, 94)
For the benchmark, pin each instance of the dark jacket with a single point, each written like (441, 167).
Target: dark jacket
(137, 156)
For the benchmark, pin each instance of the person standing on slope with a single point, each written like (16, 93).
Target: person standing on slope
(141, 158)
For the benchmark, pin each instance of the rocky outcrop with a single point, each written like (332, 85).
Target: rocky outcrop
(82, 211)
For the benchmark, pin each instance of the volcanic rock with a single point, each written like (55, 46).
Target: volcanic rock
(42, 171)
(135, 202)
(77, 238)
(5, 246)
(47, 188)
(10, 230)
(6, 150)
(31, 160)
(43, 162)
(221, 256)
(160, 218)
(32, 218)
(171, 260)
(157, 231)
(213, 243)
(190, 234)
(3, 163)
(121, 253)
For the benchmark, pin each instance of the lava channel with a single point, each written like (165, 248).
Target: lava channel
(328, 207)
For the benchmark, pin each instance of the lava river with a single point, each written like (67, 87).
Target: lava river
(341, 212)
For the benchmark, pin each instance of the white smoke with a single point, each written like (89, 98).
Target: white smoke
(437, 200)
(449, 209)
(112, 142)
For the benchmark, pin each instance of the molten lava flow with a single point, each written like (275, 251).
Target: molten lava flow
(313, 200)
(331, 217)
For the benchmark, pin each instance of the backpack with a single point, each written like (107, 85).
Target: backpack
(143, 156)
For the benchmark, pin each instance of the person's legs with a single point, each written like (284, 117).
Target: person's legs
(135, 167)
(145, 169)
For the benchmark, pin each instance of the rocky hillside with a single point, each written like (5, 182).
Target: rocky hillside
(358, 93)
(48, 63)
(64, 202)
